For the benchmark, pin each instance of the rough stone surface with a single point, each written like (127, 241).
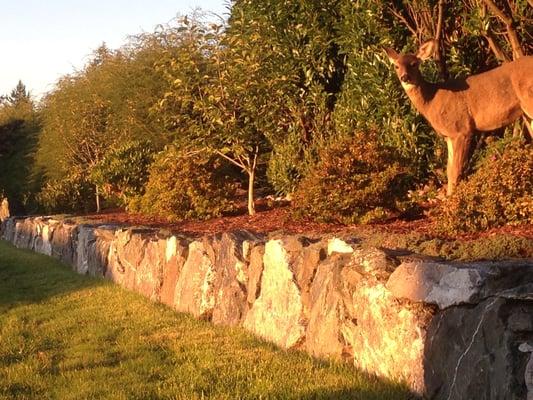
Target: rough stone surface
(4, 210)
(277, 314)
(125, 256)
(356, 317)
(255, 273)
(176, 253)
(195, 289)
(25, 233)
(7, 229)
(232, 252)
(450, 330)
(44, 230)
(323, 335)
(148, 279)
(447, 284)
(474, 352)
(64, 242)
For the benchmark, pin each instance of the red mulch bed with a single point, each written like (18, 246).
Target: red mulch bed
(279, 219)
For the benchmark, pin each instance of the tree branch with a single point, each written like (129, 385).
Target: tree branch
(495, 47)
(509, 24)
(231, 160)
(440, 55)
(256, 153)
(398, 15)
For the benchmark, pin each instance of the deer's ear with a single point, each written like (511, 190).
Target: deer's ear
(391, 53)
(427, 49)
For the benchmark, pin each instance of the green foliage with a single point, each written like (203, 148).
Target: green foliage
(105, 105)
(19, 128)
(123, 170)
(499, 192)
(265, 91)
(493, 247)
(297, 69)
(19, 95)
(285, 164)
(355, 180)
(72, 193)
(221, 94)
(184, 186)
(371, 97)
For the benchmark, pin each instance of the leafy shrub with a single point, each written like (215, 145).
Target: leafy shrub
(499, 192)
(355, 180)
(71, 194)
(282, 170)
(184, 185)
(123, 171)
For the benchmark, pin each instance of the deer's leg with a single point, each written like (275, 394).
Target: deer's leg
(458, 149)
(529, 125)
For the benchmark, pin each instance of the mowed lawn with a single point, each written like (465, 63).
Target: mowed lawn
(65, 336)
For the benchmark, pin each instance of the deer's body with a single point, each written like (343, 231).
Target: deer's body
(458, 109)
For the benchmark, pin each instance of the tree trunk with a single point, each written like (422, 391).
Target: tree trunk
(97, 200)
(251, 202)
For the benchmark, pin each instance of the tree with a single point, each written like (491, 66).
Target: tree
(102, 107)
(19, 95)
(19, 127)
(300, 52)
(75, 122)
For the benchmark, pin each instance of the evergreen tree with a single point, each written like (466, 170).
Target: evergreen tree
(19, 95)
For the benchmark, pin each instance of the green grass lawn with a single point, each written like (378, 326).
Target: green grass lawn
(65, 336)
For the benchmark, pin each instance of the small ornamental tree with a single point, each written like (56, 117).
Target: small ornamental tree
(223, 105)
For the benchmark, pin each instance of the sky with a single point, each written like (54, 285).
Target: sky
(41, 40)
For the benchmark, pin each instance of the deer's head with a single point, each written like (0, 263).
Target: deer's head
(407, 65)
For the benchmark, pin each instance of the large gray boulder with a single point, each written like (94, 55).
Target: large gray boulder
(7, 229)
(25, 232)
(126, 253)
(92, 249)
(44, 231)
(480, 352)
(449, 284)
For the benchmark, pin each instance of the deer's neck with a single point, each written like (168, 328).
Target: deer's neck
(421, 95)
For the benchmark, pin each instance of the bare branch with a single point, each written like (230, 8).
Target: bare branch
(495, 47)
(231, 160)
(440, 17)
(256, 153)
(398, 15)
(509, 24)
(440, 56)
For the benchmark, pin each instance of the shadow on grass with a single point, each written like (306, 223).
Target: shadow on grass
(381, 391)
(27, 277)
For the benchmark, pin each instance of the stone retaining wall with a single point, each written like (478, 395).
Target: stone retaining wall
(451, 331)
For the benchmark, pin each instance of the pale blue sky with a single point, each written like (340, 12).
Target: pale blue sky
(42, 40)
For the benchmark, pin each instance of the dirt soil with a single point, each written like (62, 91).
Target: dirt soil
(279, 220)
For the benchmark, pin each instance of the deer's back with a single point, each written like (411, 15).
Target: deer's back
(495, 98)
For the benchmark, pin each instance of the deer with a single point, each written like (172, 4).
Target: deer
(459, 109)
